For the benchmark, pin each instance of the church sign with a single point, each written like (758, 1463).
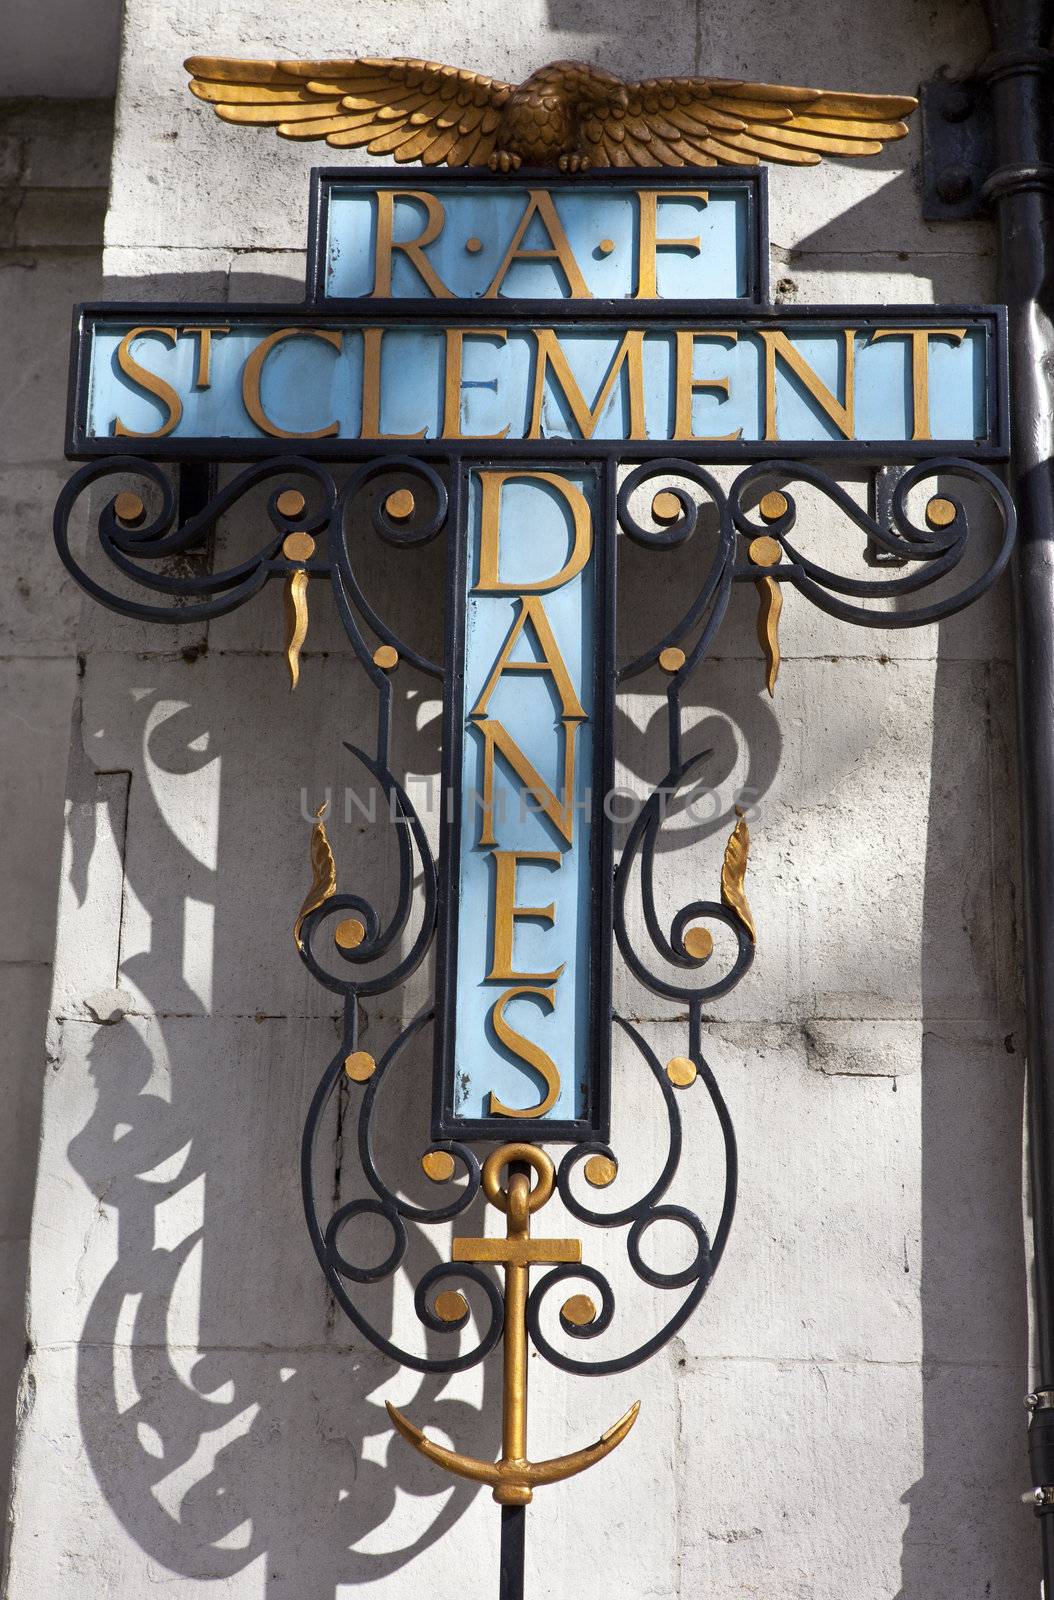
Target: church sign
(537, 364)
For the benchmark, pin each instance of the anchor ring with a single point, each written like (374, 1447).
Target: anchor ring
(532, 1157)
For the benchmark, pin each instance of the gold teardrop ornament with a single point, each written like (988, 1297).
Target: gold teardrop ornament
(323, 873)
(734, 872)
(770, 604)
(296, 620)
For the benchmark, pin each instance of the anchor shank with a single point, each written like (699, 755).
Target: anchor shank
(514, 1396)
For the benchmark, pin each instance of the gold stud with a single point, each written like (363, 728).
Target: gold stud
(473, 246)
(765, 552)
(349, 934)
(940, 513)
(606, 246)
(682, 1072)
(360, 1066)
(579, 1311)
(290, 503)
(773, 506)
(386, 656)
(400, 504)
(438, 1165)
(666, 507)
(671, 659)
(451, 1306)
(298, 547)
(129, 508)
(699, 943)
(600, 1171)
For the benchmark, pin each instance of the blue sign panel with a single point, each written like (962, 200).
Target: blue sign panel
(686, 238)
(521, 976)
(834, 378)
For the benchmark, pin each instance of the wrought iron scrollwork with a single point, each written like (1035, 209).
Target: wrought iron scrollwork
(132, 541)
(353, 949)
(938, 548)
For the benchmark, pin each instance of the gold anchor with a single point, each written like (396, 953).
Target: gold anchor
(514, 1478)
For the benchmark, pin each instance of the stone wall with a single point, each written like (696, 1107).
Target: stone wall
(842, 1417)
(54, 170)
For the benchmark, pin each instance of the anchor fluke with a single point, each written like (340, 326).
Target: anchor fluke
(513, 1481)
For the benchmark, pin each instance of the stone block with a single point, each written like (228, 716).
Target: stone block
(234, 769)
(172, 272)
(243, 1470)
(186, 1135)
(60, 219)
(36, 312)
(266, 275)
(13, 1262)
(867, 1201)
(39, 602)
(818, 1479)
(24, 993)
(839, 903)
(91, 893)
(67, 143)
(35, 701)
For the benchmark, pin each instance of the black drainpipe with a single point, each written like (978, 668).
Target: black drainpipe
(1021, 189)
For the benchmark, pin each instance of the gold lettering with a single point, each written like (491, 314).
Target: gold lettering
(687, 385)
(550, 353)
(506, 911)
(532, 1054)
(650, 244)
(491, 485)
(413, 249)
(496, 738)
(253, 374)
(150, 382)
(533, 611)
(370, 427)
(203, 367)
(777, 344)
(455, 339)
(540, 204)
(920, 369)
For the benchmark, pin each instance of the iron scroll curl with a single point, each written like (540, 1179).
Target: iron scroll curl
(937, 550)
(161, 537)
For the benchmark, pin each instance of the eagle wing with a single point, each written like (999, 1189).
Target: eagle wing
(411, 110)
(679, 122)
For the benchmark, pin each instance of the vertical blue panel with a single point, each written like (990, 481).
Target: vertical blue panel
(536, 534)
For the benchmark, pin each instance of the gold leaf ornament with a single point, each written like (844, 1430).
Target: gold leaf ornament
(296, 621)
(734, 872)
(323, 873)
(770, 604)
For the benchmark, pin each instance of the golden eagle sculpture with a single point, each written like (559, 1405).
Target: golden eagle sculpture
(567, 115)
